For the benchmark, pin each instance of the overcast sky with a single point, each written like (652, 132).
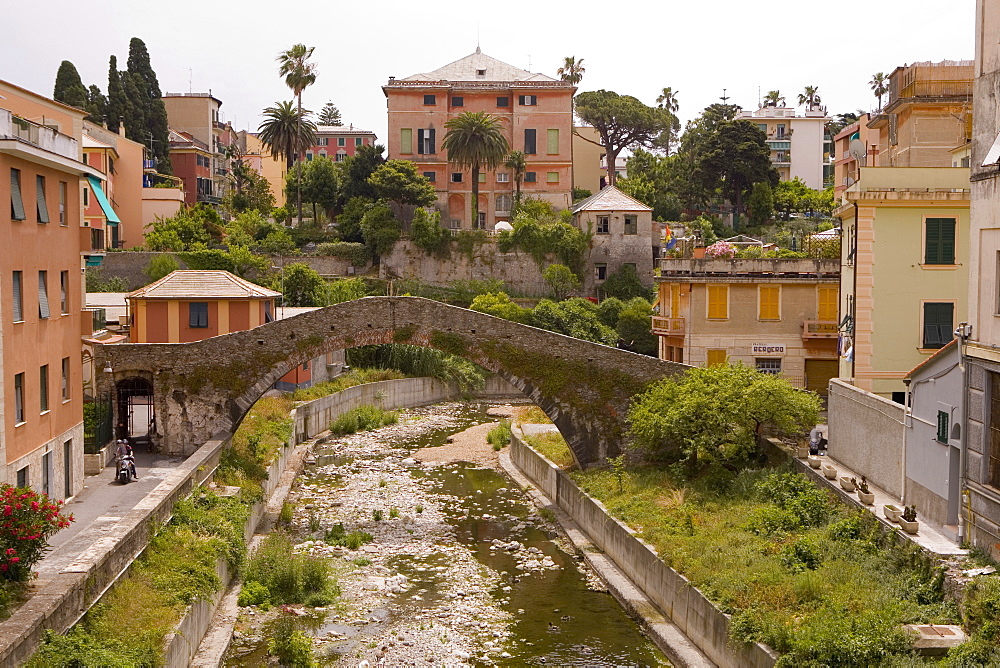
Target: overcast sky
(698, 47)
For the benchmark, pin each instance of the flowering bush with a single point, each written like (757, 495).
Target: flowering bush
(721, 249)
(27, 519)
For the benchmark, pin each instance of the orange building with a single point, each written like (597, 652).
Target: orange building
(338, 142)
(42, 179)
(121, 162)
(537, 115)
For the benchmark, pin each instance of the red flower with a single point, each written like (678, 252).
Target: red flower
(7, 510)
(11, 551)
(14, 560)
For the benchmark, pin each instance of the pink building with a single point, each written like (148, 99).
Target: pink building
(537, 114)
(337, 142)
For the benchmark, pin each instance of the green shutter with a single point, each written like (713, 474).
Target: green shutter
(939, 241)
(939, 320)
(553, 142)
(529, 142)
(406, 140)
(942, 427)
(431, 138)
(16, 203)
(420, 142)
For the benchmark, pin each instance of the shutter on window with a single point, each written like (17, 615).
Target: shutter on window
(827, 304)
(433, 134)
(43, 208)
(947, 241)
(675, 301)
(933, 241)
(717, 306)
(420, 142)
(43, 296)
(553, 142)
(16, 203)
(18, 306)
(938, 323)
(406, 140)
(529, 142)
(520, 100)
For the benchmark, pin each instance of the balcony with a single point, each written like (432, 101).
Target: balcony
(45, 138)
(729, 268)
(820, 329)
(221, 171)
(664, 326)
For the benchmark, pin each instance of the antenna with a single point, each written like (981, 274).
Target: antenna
(477, 37)
(529, 62)
(724, 98)
(190, 75)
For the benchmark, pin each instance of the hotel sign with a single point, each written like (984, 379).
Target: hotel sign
(767, 349)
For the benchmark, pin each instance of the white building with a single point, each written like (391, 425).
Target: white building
(799, 144)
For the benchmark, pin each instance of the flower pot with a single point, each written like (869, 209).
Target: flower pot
(892, 513)
(866, 498)
(830, 472)
(815, 462)
(846, 483)
(908, 527)
(802, 451)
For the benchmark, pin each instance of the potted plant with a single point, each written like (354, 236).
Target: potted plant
(814, 461)
(892, 513)
(908, 520)
(830, 472)
(865, 495)
(848, 484)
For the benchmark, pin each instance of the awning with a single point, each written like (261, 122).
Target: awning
(102, 199)
(994, 153)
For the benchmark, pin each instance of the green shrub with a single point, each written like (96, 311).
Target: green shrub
(337, 536)
(286, 514)
(771, 520)
(292, 647)
(363, 418)
(499, 435)
(801, 555)
(289, 577)
(254, 593)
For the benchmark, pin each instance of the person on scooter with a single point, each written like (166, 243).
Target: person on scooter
(123, 451)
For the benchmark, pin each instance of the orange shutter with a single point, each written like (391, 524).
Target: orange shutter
(718, 302)
(716, 357)
(675, 301)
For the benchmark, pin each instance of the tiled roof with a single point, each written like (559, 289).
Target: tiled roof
(468, 68)
(90, 142)
(610, 199)
(202, 284)
(341, 129)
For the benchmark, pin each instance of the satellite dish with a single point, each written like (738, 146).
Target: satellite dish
(850, 182)
(857, 150)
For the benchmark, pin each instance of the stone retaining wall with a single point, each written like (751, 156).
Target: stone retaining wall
(688, 608)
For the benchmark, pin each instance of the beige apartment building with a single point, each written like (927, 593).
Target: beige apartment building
(778, 316)
(798, 143)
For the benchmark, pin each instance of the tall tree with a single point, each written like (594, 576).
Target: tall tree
(809, 97)
(299, 74)
(97, 105)
(667, 101)
(518, 167)
(475, 140)
(736, 157)
(69, 88)
(134, 117)
(880, 86)
(154, 133)
(572, 70)
(774, 98)
(329, 115)
(116, 97)
(286, 130)
(622, 122)
(320, 184)
(356, 171)
(400, 182)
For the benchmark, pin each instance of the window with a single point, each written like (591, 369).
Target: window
(456, 177)
(780, 131)
(503, 177)
(309, 156)
(430, 176)
(68, 467)
(768, 364)
(530, 177)
(600, 271)
(716, 357)
(18, 298)
(457, 101)
(552, 141)
(406, 140)
(323, 141)
(359, 141)
(503, 203)
(425, 141)
(552, 177)
(86, 197)
(322, 154)
(482, 177)
(42, 208)
(503, 101)
(769, 302)
(430, 100)
(762, 127)
(942, 426)
(64, 292)
(604, 224)
(47, 472)
(718, 302)
(527, 100)
(22, 477)
(341, 141)
(43, 388)
(62, 202)
(65, 379)
(16, 202)
(341, 156)
(828, 298)
(18, 398)
(198, 314)
(939, 241)
(481, 218)
(631, 224)
(939, 322)
(43, 294)
(480, 72)
(529, 142)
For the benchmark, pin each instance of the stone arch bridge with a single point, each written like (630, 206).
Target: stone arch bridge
(201, 389)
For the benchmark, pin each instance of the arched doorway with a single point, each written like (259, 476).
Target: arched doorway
(136, 415)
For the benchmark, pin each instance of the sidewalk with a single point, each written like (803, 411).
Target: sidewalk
(98, 509)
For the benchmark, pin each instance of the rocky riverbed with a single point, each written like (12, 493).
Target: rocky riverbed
(461, 568)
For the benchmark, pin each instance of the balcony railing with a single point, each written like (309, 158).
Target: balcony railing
(819, 329)
(668, 326)
(41, 136)
(726, 267)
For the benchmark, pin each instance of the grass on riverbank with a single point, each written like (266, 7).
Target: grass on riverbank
(363, 418)
(552, 446)
(818, 582)
(344, 381)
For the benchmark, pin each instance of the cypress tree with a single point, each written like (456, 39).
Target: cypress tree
(69, 88)
(134, 117)
(154, 111)
(97, 105)
(116, 97)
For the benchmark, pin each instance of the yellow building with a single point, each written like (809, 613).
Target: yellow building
(268, 166)
(904, 271)
(588, 155)
(777, 315)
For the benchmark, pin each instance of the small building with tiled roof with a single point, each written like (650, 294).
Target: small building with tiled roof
(191, 305)
(623, 235)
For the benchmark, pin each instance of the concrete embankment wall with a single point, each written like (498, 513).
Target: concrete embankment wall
(677, 598)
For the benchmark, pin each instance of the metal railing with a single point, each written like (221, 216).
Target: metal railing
(41, 136)
(820, 329)
(670, 326)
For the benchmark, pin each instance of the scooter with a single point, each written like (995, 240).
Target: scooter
(126, 469)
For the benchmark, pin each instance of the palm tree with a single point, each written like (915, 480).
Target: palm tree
(299, 74)
(809, 97)
(516, 163)
(774, 99)
(668, 100)
(880, 86)
(475, 139)
(286, 131)
(572, 70)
